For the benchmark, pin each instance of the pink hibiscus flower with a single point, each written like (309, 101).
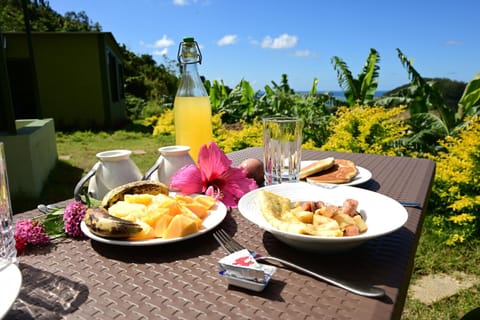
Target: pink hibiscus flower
(214, 176)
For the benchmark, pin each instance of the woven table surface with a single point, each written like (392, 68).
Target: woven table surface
(85, 279)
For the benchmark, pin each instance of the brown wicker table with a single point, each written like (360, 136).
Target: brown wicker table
(84, 279)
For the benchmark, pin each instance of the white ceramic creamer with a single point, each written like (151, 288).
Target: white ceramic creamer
(170, 160)
(114, 169)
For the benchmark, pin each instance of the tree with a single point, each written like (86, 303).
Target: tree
(43, 18)
(361, 90)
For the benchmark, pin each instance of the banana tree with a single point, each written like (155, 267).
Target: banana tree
(424, 97)
(235, 104)
(361, 90)
(468, 104)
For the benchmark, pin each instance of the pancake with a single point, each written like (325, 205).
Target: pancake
(342, 171)
(316, 167)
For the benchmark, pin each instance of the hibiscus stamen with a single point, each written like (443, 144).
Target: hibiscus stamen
(215, 192)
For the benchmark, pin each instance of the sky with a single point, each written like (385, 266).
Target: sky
(259, 40)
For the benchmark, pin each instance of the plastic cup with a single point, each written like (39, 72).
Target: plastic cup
(8, 253)
(282, 149)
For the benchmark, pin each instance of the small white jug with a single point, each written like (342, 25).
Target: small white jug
(114, 169)
(170, 160)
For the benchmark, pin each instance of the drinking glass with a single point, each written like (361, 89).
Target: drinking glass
(8, 253)
(282, 149)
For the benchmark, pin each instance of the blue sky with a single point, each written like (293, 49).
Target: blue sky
(260, 40)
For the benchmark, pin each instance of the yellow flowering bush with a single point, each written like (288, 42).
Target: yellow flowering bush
(455, 201)
(228, 138)
(162, 124)
(240, 136)
(366, 129)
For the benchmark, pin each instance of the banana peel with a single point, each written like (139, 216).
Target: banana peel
(102, 224)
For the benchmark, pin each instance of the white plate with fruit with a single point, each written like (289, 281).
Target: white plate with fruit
(144, 213)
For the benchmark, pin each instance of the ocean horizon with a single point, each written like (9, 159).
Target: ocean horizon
(338, 94)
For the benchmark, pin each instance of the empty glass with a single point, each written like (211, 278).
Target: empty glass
(282, 143)
(8, 253)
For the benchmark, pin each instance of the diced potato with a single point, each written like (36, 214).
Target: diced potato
(319, 220)
(362, 226)
(304, 216)
(344, 220)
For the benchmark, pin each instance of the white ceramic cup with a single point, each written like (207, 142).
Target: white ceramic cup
(282, 149)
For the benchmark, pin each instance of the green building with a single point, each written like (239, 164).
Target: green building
(76, 78)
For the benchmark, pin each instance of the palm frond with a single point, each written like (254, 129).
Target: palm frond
(429, 94)
(345, 79)
(313, 90)
(469, 98)
(368, 77)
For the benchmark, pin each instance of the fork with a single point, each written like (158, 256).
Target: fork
(230, 246)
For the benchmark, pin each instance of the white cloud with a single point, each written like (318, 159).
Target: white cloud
(283, 41)
(227, 40)
(253, 41)
(302, 53)
(454, 43)
(162, 52)
(164, 42)
(180, 2)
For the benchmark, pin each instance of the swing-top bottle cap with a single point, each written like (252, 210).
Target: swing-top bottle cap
(189, 52)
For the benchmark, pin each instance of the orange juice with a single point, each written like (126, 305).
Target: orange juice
(193, 122)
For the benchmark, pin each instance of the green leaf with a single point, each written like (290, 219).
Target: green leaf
(470, 97)
(54, 224)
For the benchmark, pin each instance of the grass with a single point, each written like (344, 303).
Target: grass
(76, 152)
(433, 257)
(77, 155)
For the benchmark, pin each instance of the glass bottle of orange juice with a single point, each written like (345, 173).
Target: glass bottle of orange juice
(192, 109)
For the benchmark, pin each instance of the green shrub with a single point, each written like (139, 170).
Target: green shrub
(162, 123)
(455, 200)
(239, 136)
(364, 129)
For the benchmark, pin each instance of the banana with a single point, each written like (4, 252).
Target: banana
(105, 225)
(137, 187)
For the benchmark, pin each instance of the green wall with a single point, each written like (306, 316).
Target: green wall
(72, 77)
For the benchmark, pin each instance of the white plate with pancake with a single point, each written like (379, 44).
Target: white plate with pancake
(383, 214)
(362, 176)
